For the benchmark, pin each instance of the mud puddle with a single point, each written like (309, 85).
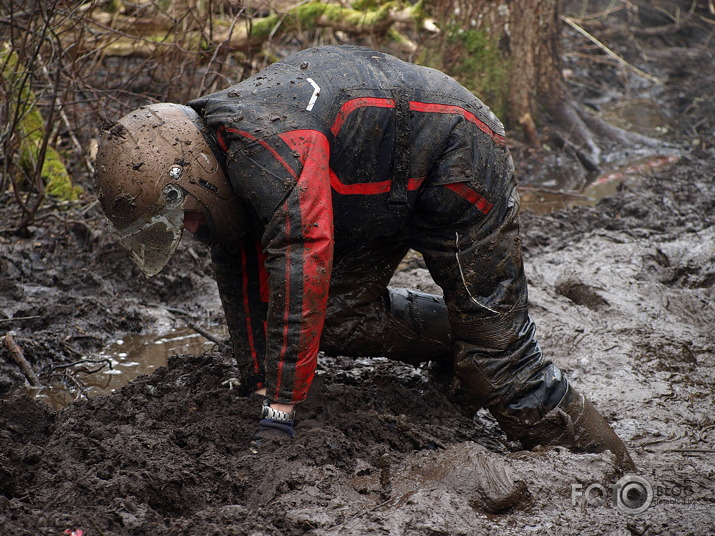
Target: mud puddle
(119, 363)
(137, 354)
(542, 200)
(641, 115)
(560, 191)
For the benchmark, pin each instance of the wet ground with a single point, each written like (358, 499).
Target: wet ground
(622, 290)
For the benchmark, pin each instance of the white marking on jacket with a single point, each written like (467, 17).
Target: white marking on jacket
(314, 96)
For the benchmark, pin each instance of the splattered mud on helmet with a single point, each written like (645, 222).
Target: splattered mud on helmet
(153, 165)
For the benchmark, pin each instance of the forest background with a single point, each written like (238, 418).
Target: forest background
(69, 66)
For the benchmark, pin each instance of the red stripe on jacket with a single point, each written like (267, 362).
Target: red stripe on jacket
(316, 216)
(465, 192)
(369, 188)
(353, 104)
(426, 107)
(469, 116)
(220, 138)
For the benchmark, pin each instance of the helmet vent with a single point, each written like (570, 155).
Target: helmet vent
(174, 195)
(209, 186)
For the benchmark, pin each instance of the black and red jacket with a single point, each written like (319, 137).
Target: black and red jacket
(329, 147)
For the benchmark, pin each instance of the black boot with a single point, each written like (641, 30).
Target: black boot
(575, 423)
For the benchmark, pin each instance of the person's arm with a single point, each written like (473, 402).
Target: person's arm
(242, 286)
(285, 180)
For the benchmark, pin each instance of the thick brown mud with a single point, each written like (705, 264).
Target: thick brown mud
(623, 294)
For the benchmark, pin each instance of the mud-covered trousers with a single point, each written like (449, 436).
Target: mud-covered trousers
(481, 324)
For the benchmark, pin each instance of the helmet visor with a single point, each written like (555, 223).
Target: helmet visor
(152, 239)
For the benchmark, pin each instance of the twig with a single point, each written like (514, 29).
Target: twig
(205, 334)
(187, 317)
(19, 358)
(608, 51)
(707, 451)
(675, 18)
(65, 120)
(64, 220)
(385, 477)
(69, 349)
(176, 311)
(102, 362)
(601, 14)
(78, 384)
(218, 47)
(18, 318)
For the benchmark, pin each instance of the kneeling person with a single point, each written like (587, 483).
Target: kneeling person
(311, 180)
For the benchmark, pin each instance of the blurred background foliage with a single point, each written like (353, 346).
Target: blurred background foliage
(67, 66)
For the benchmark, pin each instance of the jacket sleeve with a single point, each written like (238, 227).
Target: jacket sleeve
(285, 180)
(243, 287)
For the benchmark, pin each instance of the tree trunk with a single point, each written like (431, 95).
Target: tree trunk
(509, 53)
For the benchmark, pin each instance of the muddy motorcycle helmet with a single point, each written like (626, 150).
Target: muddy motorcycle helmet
(152, 166)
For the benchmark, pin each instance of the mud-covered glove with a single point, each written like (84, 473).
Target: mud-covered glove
(274, 425)
(270, 429)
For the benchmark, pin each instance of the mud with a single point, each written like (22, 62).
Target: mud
(622, 294)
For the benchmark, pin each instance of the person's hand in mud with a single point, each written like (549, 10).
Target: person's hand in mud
(276, 422)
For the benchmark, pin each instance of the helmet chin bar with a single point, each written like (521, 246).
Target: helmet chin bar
(152, 239)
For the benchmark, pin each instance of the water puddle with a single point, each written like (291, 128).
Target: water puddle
(129, 357)
(545, 200)
(640, 115)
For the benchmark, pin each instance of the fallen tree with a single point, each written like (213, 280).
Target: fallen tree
(149, 31)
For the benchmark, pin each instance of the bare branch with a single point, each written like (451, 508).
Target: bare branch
(19, 358)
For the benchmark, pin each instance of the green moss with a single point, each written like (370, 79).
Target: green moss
(31, 132)
(58, 181)
(365, 18)
(364, 5)
(473, 57)
(163, 37)
(113, 6)
(304, 18)
(262, 28)
(306, 15)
